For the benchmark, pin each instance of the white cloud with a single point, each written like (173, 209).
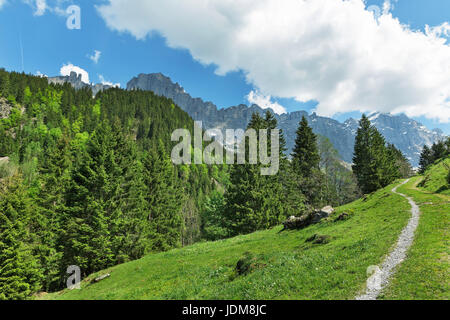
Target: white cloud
(442, 30)
(265, 102)
(96, 56)
(66, 69)
(2, 3)
(332, 51)
(108, 83)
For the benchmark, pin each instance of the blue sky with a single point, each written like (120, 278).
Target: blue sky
(47, 44)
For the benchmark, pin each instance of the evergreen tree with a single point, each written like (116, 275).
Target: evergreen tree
(19, 272)
(165, 198)
(305, 162)
(4, 83)
(213, 218)
(426, 159)
(439, 150)
(92, 205)
(373, 165)
(54, 180)
(253, 201)
(403, 167)
(305, 155)
(132, 234)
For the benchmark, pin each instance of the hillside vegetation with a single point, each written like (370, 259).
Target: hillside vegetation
(425, 274)
(295, 264)
(283, 265)
(436, 178)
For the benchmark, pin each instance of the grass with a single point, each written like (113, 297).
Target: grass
(424, 275)
(325, 261)
(434, 180)
(285, 265)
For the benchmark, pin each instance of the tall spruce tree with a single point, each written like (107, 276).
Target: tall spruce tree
(165, 199)
(4, 83)
(305, 163)
(19, 270)
(373, 165)
(439, 150)
(92, 204)
(254, 201)
(426, 159)
(404, 168)
(54, 180)
(305, 156)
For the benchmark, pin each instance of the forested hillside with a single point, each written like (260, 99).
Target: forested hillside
(89, 181)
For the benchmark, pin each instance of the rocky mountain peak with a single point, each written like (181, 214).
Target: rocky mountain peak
(76, 81)
(406, 134)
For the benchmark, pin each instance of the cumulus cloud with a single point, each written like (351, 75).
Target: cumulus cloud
(106, 82)
(96, 56)
(333, 51)
(66, 69)
(265, 102)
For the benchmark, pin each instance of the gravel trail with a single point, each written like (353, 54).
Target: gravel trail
(381, 275)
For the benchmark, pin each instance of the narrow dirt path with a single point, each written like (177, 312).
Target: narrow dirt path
(381, 276)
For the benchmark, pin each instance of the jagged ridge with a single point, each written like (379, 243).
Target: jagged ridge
(406, 134)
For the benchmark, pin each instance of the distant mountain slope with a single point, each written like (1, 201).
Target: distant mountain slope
(406, 134)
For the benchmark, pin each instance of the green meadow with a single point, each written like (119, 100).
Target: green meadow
(291, 265)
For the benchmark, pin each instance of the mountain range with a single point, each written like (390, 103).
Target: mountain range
(406, 134)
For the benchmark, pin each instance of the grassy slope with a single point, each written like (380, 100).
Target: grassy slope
(425, 273)
(434, 180)
(290, 268)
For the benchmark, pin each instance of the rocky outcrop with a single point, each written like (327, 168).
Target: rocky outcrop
(75, 80)
(322, 214)
(297, 223)
(406, 134)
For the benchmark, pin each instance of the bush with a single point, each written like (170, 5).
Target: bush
(318, 239)
(247, 264)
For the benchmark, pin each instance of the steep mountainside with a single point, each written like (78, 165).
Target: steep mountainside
(406, 134)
